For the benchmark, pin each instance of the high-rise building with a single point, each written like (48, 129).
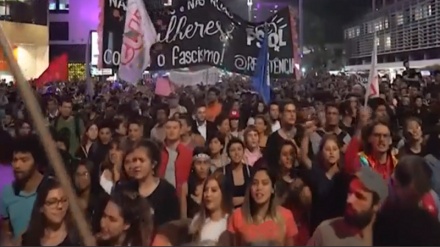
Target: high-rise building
(405, 30)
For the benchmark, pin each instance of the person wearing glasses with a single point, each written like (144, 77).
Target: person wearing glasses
(50, 223)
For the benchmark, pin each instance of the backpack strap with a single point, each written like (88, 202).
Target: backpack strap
(77, 127)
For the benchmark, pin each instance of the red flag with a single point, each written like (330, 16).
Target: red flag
(56, 71)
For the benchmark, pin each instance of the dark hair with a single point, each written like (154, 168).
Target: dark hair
(106, 164)
(63, 136)
(200, 150)
(136, 212)
(135, 120)
(174, 119)
(220, 137)
(84, 138)
(331, 105)
(413, 170)
(117, 122)
(98, 198)
(401, 226)
(66, 99)
(29, 144)
(214, 90)
(288, 143)
(105, 124)
(232, 141)
(162, 107)
(367, 131)
(153, 152)
(220, 119)
(37, 224)
(284, 104)
(187, 118)
(273, 103)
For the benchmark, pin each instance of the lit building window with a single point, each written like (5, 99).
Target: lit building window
(52, 4)
(63, 4)
(377, 41)
(427, 10)
(370, 27)
(399, 18)
(352, 32)
(387, 39)
(59, 5)
(418, 13)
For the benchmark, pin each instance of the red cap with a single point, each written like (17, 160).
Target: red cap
(234, 115)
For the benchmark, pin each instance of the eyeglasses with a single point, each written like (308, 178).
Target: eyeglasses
(53, 203)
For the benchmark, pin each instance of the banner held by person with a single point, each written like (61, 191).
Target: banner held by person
(261, 78)
(139, 36)
(187, 38)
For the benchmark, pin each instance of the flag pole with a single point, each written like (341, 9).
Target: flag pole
(53, 155)
(372, 68)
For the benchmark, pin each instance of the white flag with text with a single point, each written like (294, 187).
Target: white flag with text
(139, 36)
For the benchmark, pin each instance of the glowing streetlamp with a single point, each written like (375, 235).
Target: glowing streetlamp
(249, 4)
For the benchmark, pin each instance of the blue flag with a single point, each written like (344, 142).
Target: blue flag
(261, 78)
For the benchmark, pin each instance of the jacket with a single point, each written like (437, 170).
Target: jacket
(182, 165)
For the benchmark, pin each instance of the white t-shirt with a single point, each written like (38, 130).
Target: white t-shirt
(276, 126)
(106, 184)
(211, 230)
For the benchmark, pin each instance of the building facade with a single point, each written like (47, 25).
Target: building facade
(405, 30)
(25, 25)
(72, 21)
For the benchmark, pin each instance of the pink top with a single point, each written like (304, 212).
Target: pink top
(251, 157)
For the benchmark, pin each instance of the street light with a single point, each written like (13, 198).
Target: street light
(249, 4)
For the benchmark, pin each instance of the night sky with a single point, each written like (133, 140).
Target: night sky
(335, 14)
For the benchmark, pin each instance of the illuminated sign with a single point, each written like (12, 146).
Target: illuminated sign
(94, 49)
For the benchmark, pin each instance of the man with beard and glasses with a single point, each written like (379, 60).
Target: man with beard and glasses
(18, 198)
(367, 192)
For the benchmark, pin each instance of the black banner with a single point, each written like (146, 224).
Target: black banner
(205, 32)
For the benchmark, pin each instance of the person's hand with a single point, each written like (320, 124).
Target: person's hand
(310, 127)
(364, 116)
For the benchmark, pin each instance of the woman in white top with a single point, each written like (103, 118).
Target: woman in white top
(211, 221)
(111, 167)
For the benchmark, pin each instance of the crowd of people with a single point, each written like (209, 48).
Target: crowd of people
(215, 165)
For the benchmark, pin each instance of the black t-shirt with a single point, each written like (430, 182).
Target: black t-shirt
(164, 203)
(29, 241)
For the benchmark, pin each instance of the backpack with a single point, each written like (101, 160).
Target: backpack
(77, 128)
